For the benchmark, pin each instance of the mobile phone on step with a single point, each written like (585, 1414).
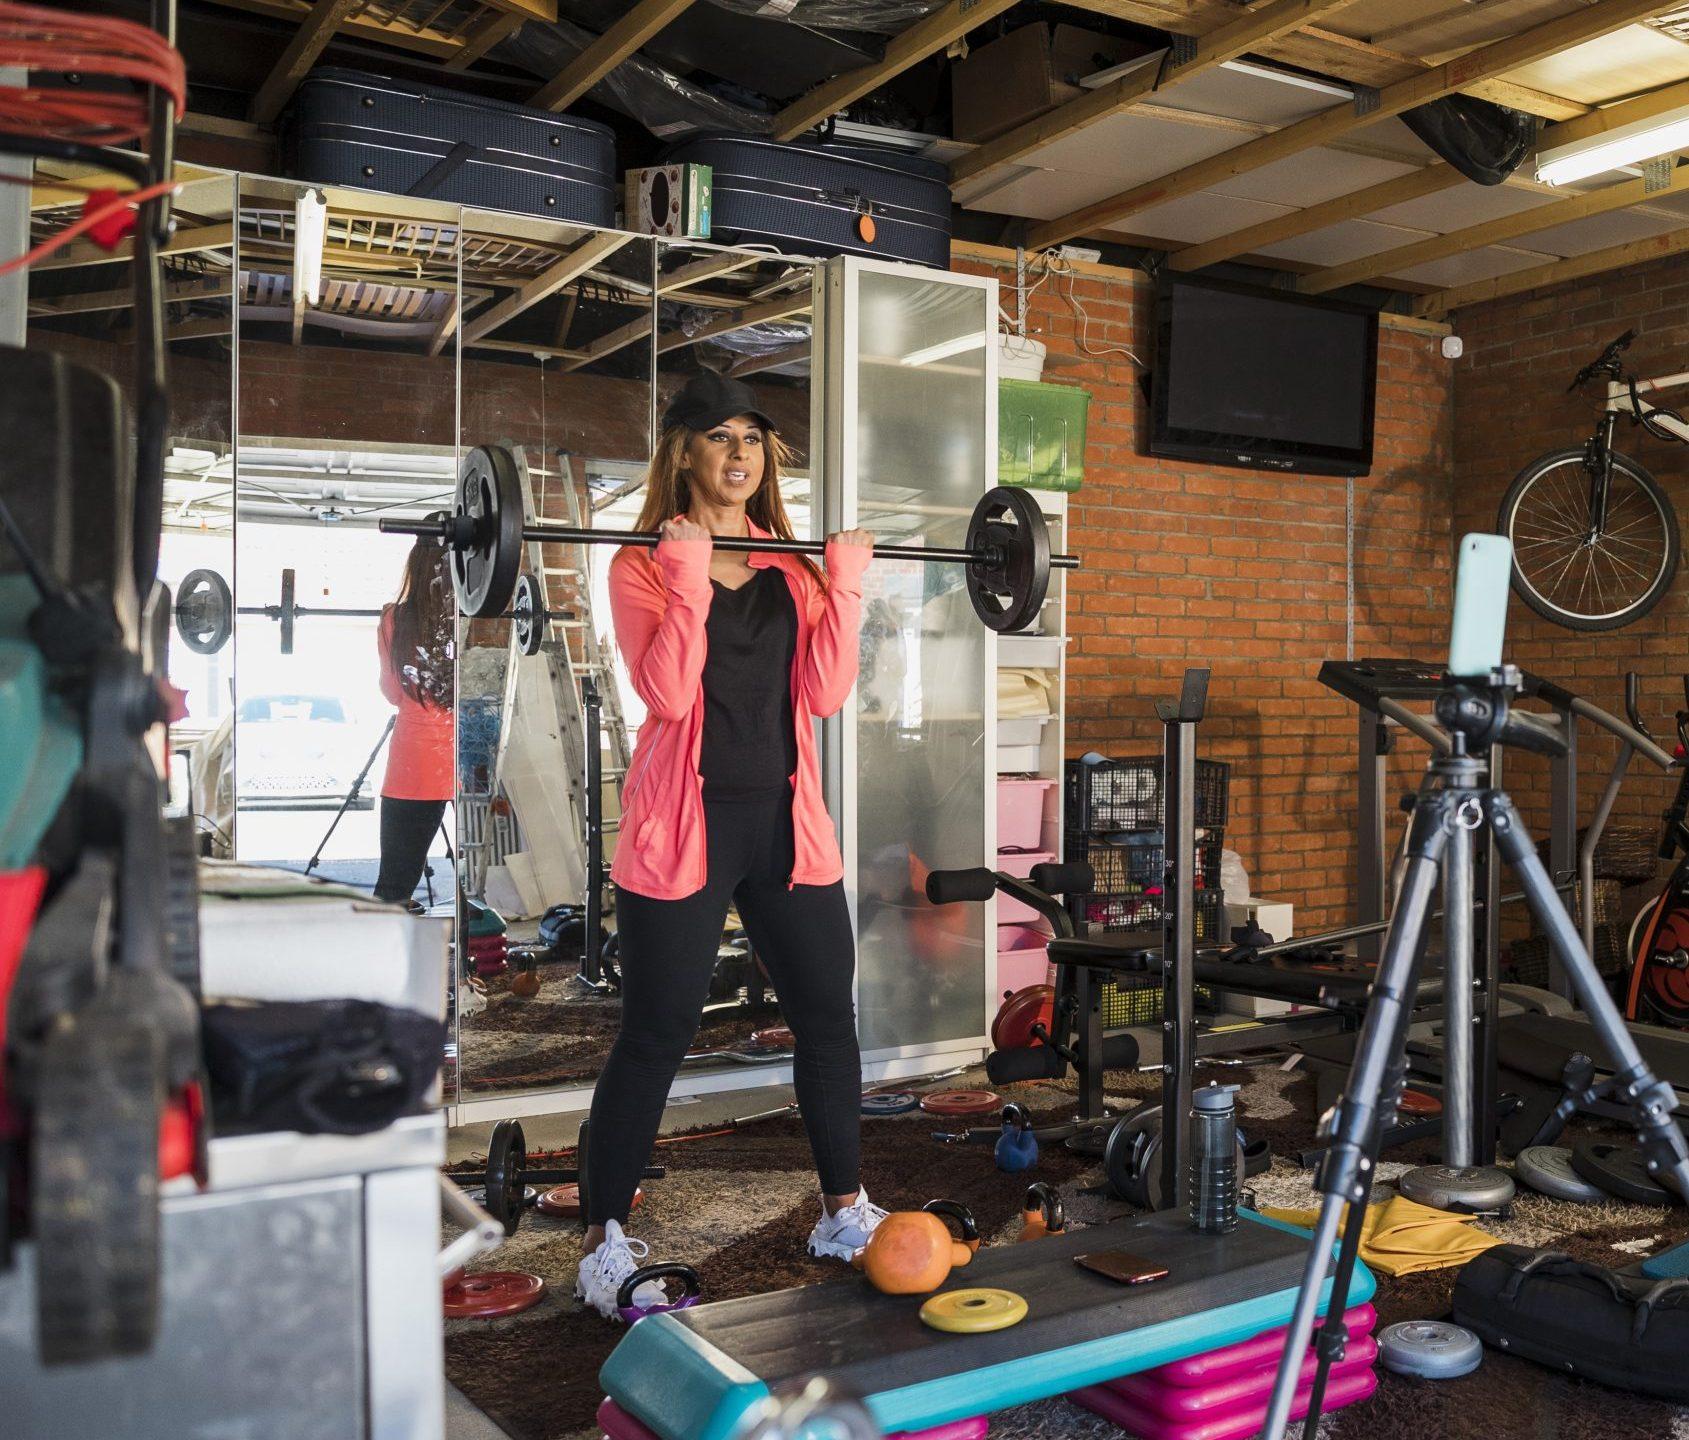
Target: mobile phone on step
(1123, 1266)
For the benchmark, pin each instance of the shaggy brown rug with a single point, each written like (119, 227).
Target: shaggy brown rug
(739, 1206)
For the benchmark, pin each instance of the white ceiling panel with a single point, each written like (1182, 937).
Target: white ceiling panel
(1313, 177)
(1044, 194)
(1429, 28)
(1339, 244)
(1196, 218)
(1244, 91)
(1130, 149)
(1472, 266)
(1463, 205)
(1596, 232)
(1626, 62)
(1674, 204)
(1393, 139)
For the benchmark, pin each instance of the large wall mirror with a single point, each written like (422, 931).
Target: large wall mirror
(81, 305)
(347, 414)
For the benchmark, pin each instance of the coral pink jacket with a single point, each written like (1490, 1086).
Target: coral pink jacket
(660, 601)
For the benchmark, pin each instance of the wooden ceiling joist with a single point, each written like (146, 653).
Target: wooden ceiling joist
(308, 42)
(589, 252)
(615, 45)
(1325, 52)
(428, 35)
(711, 267)
(204, 287)
(756, 364)
(1577, 267)
(1254, 238)
(189, 240)
(937, 32)
(640, 329)
(1227, 43)
(1550, 38)
(1490, 232)
(495, 28)
(1610, 117)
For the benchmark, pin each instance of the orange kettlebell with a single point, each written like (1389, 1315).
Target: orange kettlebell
(911, 1252)
(525, 982)
(1042, 1212)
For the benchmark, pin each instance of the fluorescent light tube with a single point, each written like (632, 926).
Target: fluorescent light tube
(945, 349)
(1614, 149)
(310, 234)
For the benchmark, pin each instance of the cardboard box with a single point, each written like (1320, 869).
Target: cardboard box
(1021, 75)
(1277, 918)
(671, 200)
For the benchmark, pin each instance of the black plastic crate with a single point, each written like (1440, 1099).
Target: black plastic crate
(1128, 795)
(1131, 862)
(1108, 914)
(1142, 1002)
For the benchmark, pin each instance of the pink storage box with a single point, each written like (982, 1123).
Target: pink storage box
(617, 1424)
(1020, 813)
(1022, 937)
(1247, 1356)
(1019, 865)
(1016, 969)
(1348, 1386)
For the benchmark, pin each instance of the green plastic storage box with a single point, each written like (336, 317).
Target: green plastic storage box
(1041, 434)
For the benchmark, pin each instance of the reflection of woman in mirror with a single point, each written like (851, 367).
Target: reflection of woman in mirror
(416, 641)
(735, 655)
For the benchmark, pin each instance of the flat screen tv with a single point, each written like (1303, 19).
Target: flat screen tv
(1263, 379)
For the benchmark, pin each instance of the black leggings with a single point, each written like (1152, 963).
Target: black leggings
(408, 828)
(668, 950)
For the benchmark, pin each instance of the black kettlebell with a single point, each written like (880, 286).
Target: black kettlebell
(1132, 1159)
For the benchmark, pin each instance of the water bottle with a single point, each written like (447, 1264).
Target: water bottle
(1213, 1162)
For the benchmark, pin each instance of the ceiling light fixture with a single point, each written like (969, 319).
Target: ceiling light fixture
(1615, 149)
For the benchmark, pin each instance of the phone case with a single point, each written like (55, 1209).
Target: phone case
(1480, 604)
(1121, 1266)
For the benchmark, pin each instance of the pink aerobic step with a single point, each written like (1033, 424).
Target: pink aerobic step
(617, 1424)
(1237, 1422)
(1248, 1355)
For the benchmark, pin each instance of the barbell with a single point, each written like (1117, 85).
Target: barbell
(1007, 554)
(205, 612)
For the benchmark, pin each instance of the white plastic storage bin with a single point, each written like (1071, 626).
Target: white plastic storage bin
(1020, 813)
(1017, 759)
(1022, 732)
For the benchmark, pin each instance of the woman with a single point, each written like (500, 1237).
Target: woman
(416, 641)
(734, 655)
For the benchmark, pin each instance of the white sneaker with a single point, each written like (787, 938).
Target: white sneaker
(846, 1230)
(602, 1272)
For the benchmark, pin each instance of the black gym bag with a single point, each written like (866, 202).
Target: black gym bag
(824, 197)
(1626, 1331)
(1485, 142)
(336, 1067)
(346, 127)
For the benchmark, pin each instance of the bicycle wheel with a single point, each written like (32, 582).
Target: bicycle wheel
(1572, 578)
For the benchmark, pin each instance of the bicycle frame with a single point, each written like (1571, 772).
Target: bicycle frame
(1624, 398)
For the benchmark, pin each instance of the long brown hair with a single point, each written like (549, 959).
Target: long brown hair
(424, 626)
(668, 492)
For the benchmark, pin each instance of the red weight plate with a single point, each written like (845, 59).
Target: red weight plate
(1417, 1102)
(1012, 1029)
(492, 1293)
(961, 1104)
(776, 1037)
(565, 1200)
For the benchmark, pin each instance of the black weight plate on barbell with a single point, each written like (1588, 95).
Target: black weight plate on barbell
(527, 614)
(489, 495)
(507, 1158)
(1008, 597)
(1128, 1142)
(205, 612)
(1620, 1170)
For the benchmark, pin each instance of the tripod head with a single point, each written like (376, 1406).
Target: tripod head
(1478, 712)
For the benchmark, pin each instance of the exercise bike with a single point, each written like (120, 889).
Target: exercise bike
(1659, 936)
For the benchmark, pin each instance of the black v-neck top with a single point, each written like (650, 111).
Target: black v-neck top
(750, 744)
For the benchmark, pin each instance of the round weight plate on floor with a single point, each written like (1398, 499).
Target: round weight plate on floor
(1418, 1104)
(492, 1293)
(1548, 1169)
(973, 1312)
(1019, 1012)
(1091, 1142)
(564, 1201)
(1620, 1170)
(478, 1194)
(961, 1104)
(1128, 1148)
(890, 1102)
(1469, 1188)
(1429, 1349)
(507, 1158)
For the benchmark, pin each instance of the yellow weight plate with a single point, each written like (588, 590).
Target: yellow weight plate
(972, 1312)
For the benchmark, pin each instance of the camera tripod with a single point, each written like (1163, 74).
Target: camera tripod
(1450, 811)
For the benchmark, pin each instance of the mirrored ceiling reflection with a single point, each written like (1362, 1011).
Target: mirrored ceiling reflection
(347, 404)
(81, 305)
(557, 345)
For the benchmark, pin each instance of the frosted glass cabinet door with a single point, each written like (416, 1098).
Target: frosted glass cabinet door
(914, 452)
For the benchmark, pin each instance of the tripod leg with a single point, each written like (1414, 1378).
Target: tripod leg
(1368, 1099)
(351, 799)
(1334, 1333)
(1651, 1100)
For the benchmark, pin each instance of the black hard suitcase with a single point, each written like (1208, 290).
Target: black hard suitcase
(823, 197)
(346, 127)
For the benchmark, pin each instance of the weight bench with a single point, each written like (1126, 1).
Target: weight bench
(692, 1374)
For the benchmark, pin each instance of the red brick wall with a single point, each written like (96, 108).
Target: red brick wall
(1510, 405)
(1244, 572)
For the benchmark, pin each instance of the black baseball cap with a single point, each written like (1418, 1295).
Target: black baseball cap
(710, 397)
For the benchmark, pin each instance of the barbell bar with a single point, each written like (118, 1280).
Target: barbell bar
(205, 612)
(1007, 552)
